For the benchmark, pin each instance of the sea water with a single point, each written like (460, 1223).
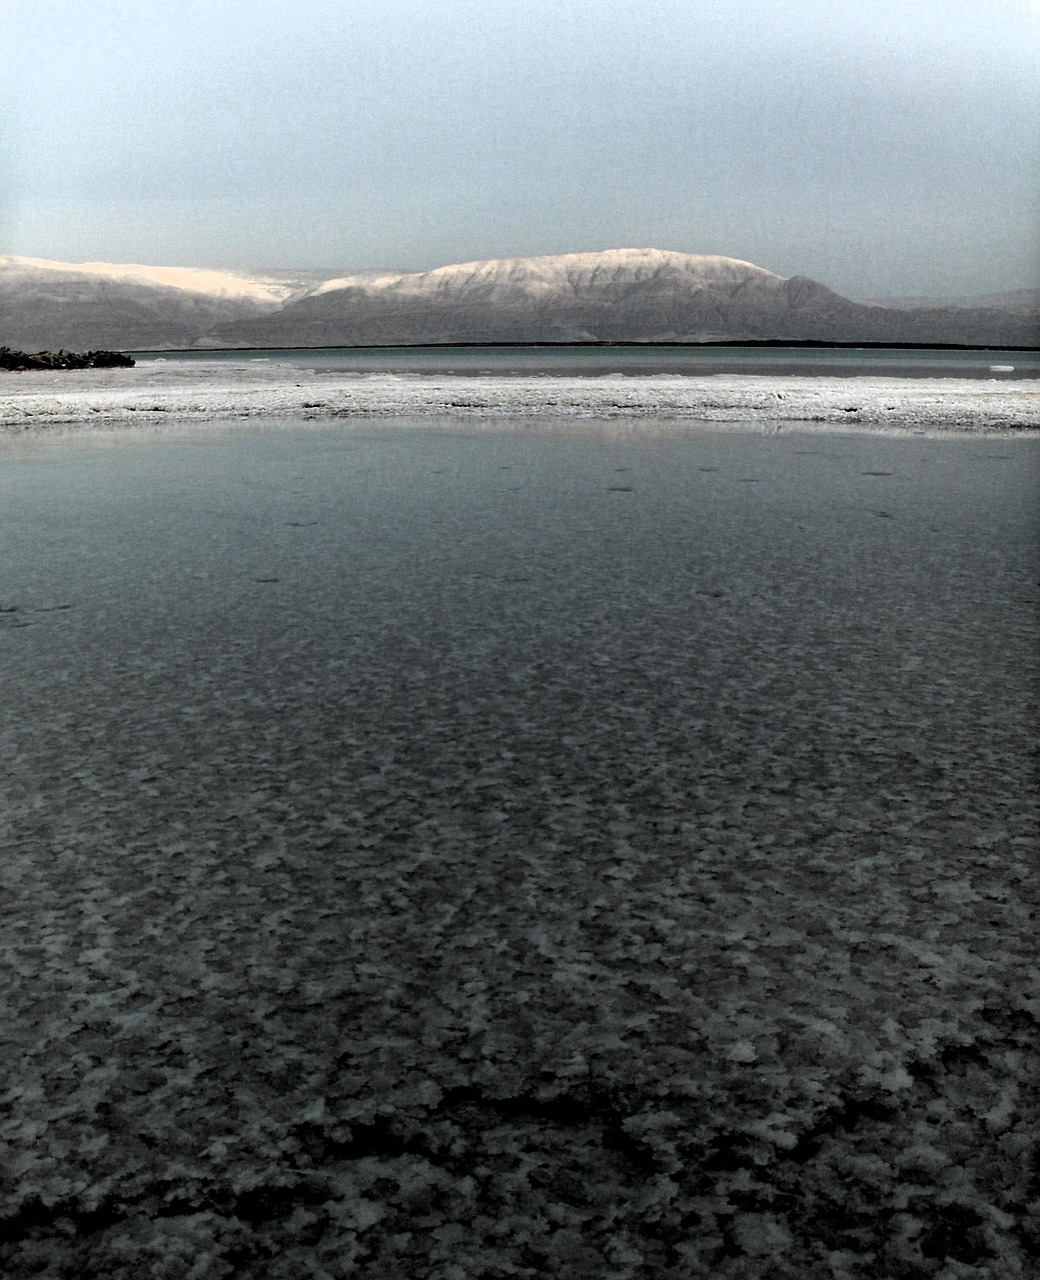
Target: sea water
(639, 359)
(509, 790)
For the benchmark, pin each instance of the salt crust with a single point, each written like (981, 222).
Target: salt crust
(252, 389)
(437, 859)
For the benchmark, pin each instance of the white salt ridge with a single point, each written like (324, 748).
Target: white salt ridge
(204, 391)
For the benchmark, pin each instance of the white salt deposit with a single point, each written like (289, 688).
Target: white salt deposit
(516, 851)
(208, 390)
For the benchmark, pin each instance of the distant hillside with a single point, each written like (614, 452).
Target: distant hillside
(47, 304)
(617, 295)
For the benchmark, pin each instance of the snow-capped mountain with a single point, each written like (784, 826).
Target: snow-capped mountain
(504, 279)
(614, 295)
(46, 304)
(265, 290)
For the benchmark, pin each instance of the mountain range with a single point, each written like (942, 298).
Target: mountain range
(617, 295)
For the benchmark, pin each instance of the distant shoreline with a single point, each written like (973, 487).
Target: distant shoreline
(779, 343)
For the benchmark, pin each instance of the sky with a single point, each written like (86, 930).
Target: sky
(883, 147)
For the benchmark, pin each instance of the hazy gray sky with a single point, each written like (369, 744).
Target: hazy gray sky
(881, 146)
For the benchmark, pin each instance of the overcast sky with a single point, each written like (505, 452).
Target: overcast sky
(882, 146)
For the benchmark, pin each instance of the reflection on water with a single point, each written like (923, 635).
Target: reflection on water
(641, 359)
(461, 828)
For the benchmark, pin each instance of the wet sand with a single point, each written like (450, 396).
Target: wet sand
(498, 849)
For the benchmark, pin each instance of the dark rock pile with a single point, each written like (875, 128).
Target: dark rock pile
(15, 361)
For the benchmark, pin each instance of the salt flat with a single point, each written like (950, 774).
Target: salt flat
(483, 848)
(201, 391)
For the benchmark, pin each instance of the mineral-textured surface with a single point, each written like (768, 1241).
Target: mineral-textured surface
(480, 852)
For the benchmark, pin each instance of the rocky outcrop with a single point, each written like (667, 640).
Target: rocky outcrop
(16, 361)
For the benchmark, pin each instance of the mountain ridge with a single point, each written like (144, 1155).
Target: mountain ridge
(619, 295)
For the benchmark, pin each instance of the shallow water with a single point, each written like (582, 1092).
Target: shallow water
(596, 810)
(120, 526)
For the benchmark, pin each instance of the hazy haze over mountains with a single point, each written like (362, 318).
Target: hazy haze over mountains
(617, 295)
(1012, 300)
(886, 149)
